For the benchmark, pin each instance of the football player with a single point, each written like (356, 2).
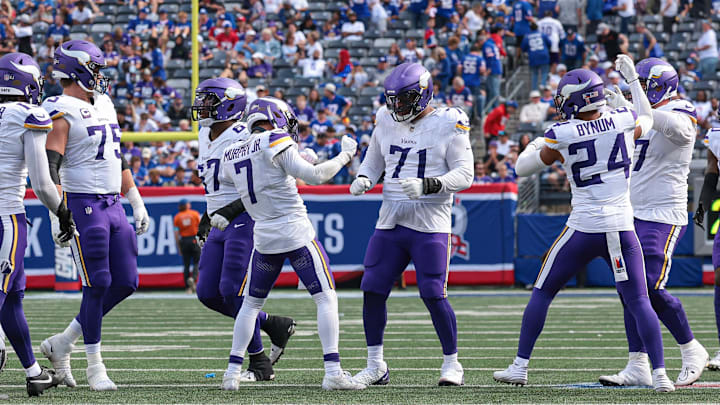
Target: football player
(263, 169)
(595, 148)
(218, 107)
(712, 141)
(425, 155)
(23, 130)
(658, 193)
(83, 151)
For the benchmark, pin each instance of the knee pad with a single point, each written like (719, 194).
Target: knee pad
(95, 243)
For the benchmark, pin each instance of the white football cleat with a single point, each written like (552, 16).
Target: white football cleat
(661, 382)
(374, 375)
(342, 381)
(58, 350)
(514, 374)
(636, 372)
(230, 383)
(98, 378)
(714, 363)
(452, 374)
(694, 360)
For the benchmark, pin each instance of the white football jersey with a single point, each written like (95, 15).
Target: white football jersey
(91, 162)
(15, 120)
(658, 189)
(712, 141)
(597, 158)
(416, 150)
(269, 194)
(219, 190)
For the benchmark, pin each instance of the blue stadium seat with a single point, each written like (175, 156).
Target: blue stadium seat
(78, 36)
(178, 83)
(126, 10)
(105, 19)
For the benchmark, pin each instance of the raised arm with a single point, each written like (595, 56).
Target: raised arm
(641, 104)
(294, 165)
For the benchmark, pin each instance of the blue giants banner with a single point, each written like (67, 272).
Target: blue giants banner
(482, 235)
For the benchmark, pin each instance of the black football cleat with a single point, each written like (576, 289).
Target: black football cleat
(38, 384)
(3, 359)
(279, 329)
(261, 366)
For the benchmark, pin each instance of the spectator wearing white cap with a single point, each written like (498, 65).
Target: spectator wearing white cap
(247, 46)
(336, 104)
(269, 46)
(536, 111)
(554, 78)
(707, 49)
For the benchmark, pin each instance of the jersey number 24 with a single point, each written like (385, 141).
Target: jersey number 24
(613, 162)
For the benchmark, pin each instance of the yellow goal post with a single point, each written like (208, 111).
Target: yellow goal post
(195, 55)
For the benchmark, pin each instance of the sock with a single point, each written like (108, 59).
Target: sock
(244, 328)
(332, 363)
(671, 312)
(73, 332)
(256, 344)
(93, 354)
(450, 358)
(533, 322)
(263, 317)
(234, 365)
(375, 356)
(374, 317)
(15, 326)
(443, 318)
(91, 313)
(716, 301)
(689, 345)
(633, 338)
(33, 371)
(648, 328)
(521, 361)
(328, 321)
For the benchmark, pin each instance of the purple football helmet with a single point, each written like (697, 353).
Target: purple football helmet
(20, 76)
(408, 91)
(218, 100)
(280, 115)
(658, 78)
(579, 90)
(81, 62)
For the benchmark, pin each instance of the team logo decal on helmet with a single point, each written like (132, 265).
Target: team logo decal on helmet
(218, 100)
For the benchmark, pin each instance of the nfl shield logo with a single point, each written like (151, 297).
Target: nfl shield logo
(85, 112)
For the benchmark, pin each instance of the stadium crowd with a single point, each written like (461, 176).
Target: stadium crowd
(329, 60)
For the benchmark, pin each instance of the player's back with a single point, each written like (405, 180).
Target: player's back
(91, 163)
(268, 193)
(712, 141)
(658, 187)
(219, 189)
(597, 161)
(15, 119)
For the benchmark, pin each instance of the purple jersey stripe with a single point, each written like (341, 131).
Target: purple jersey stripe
(277, 135)
(550, 134)
(32, 120)
(634, 114)
(690, 113)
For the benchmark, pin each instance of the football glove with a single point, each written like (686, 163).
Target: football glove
(615, 98)
(65, 223)
(203, 230)
(415, 187)
(140, 214)
(626, 67)
(360, 185)
(699, 216)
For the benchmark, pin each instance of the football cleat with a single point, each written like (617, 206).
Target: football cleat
(452, 374)
(714, 363)
(374, 375)
(694, 360)
(38, 384)
(261, 367)
(279, 329)
(636, 372)
(98, 378)
(514, 374)
(661, 382)
(342, 381)
(230, 382)
(3, 359)
(58, 350)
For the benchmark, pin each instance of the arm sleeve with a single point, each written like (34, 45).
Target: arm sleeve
(679, 128)
(37, 163)
(373, 165)
(294, 165)
(459, 159)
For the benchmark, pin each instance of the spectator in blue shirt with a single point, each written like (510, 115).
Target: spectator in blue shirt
(206, 23)
(573, 50)
(455, 54)
(460, 96)
(537, 46)
(320, 124)
(445, 10)
(144, 89)
(651, 47)
(321, 146)
(546, 5)
(157, 59)
(503, 176)
(392, 10)
(594, 13)
(362, 10)
(334, 149)
(336, 105)
(473, 73)
(140, 173)
(419, 9)
(494, 71)
(58, 30)
(304, 113)
(142, 23)
(521, 16)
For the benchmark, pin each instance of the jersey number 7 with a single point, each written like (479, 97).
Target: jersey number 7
(248, 165)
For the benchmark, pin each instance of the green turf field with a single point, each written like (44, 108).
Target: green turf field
(159, 347)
